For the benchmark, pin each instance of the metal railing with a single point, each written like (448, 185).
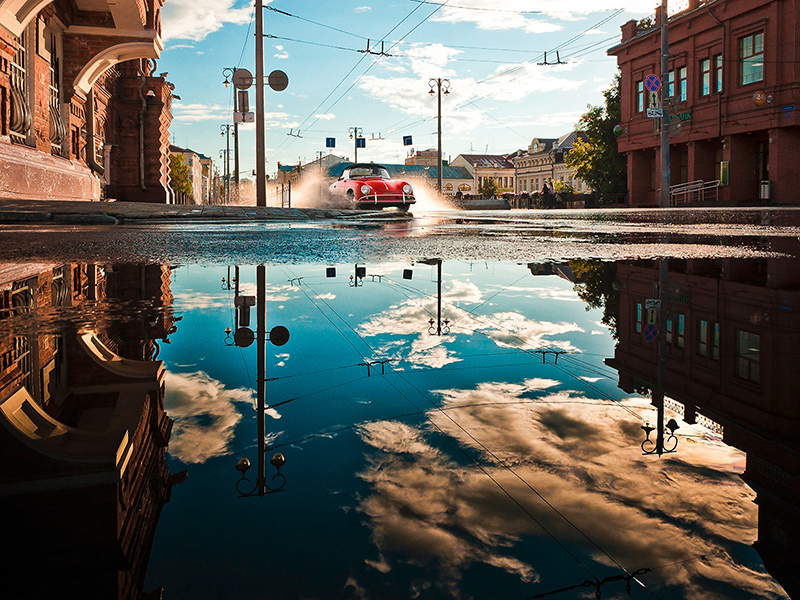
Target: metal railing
(693, 192)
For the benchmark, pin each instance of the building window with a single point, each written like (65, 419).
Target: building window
(679, 338)
(640, 96)
(715, 343)
(669, 331)
(638, 317)
(671, 84)
(747, 356)
(21, 118)
(751, 53)
(702, 338)
(718, 73)
(705, 77)
(683, 73)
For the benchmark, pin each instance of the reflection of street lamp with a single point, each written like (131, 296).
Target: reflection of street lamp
(438, 330)
(659, 446)
(278, 336)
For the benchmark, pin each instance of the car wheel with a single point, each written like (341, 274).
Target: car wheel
(351, 198)
(404, 208)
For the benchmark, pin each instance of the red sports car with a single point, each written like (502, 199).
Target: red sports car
(369, 186)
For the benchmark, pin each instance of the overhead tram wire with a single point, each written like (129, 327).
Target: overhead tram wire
(287, 143)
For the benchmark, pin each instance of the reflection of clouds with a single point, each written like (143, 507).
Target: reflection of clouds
(545, 293)
(583, 456)
(205, 415)
(190, 300)
(506, 329)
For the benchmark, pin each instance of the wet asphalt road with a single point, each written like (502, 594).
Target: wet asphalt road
(222, 235)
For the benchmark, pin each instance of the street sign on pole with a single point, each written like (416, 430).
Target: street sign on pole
(330, 142)
(242, 79)
(407, 140)
(652, 82)
(655, 113)
(652, 303)
(240, 117)
(650, 332)
(361, 142)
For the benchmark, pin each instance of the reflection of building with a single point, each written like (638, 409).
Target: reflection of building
(544, 162)
(733, 341)
(83, 432)
(732, 92)
(81, 106)
(428, 158)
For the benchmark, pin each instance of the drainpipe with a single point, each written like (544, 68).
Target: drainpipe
(91, 156)
(724, 77)
(141, 126)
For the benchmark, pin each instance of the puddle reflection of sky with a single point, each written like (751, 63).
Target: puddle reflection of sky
(467, 469)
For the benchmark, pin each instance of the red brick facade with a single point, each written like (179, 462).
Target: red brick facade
(736, 95)
(66, 111)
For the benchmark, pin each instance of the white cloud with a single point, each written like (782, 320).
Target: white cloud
(362, 8)
(282, 53)
(325, 117)
(199, 112)
(196, 19)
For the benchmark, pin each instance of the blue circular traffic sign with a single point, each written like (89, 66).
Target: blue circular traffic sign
(650, 332)
(652, 83)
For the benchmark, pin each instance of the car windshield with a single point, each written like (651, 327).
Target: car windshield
(369, 171)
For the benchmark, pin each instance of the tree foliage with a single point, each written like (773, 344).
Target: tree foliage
(179, 175)
(596, 160)
(597, 289)
(489, 187)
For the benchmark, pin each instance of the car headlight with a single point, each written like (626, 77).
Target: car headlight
(366, 190)
(407, 190)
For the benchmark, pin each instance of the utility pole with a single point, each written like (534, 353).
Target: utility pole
(261, 179)
(665, 177)
(438, 84)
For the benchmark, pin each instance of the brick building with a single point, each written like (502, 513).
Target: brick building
(733, 85)
(82, 115)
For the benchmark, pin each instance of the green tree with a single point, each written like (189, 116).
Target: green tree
(179, 175)
(596, 160)
(489, 187)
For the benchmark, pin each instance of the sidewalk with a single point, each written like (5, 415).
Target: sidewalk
(19, 211)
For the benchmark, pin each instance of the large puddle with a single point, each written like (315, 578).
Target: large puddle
(449, 427)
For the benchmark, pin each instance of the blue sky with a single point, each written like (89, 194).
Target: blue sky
(501, 97)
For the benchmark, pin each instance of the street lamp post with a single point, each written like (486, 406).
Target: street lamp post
(439, 85)
(665, 175)
(355, 134)
(225, 131)
(231, 71)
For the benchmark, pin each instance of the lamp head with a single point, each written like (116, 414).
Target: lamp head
(278, 461)
(243, 465)
(672, 425)
(226, 83)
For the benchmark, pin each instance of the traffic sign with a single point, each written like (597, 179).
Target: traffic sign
(650, 332)
(655, 113)
(652, 303)
(652, 82)
(330, 142)
(407, 140)
(278, 80)
(242, 79)
(361, 142)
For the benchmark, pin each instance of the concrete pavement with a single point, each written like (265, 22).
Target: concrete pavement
(22, 211)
